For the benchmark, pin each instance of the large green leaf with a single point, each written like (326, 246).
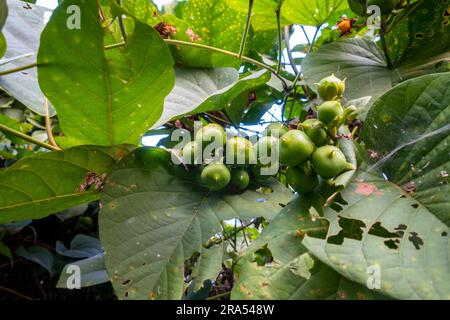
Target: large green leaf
(3, 13)
(290, 276)
(218, 26)
(37, 186)
(92, 271)
(22, 30)
(360, 61)
(156, 215)
(398, 220)
(423, 36)
(103, 97)
(311, 12)
(202, 90)
(263, 13)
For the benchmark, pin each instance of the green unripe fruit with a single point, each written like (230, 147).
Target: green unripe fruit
(295, 147)
(240, 179)
(257, 172)
(266, 147)
(315, 129)
(191, 152)
(216, 176)
(386, 6)
(328, 161)
(239, 151)
(275, 129)
(209, 133)
(299, 181)
(329, 110)
(331, 88)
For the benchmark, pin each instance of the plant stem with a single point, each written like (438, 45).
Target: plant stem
(383, 42)
(288, 48)
(235, 55)
(18, 69)
(220, 295)
(228, 53)
(297, 78)
(15, 293)
(121, 25)
(247, 27)
(280, 47)
(27, 137)
(48, 126)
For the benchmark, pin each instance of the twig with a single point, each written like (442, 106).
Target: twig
(121, 25)
(220, 295)
(280, 47)
(48, 126)
(27, 137)
(15, 293)
(18, 69)
(383, 42)
(247, 27)
(288, 48)
(173, 42)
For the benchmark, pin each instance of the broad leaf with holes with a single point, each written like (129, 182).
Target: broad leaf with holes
(203, 90)
(21, 31)
(156, 215)
(360, 61)
(218, 26)
(103, 97)
(311, 12)
(398, 221)
(37, 186)
(263, 13)
(294, 272)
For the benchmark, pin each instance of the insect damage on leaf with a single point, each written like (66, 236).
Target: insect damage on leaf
(416, 240)
(350, 229)
(165, 29)
(92, 180)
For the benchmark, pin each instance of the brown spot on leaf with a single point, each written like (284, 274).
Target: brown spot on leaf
(192, 35)
(366, 189)
(165, 29)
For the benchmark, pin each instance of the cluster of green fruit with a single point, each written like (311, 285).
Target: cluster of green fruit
(360, 6)
(305, 153)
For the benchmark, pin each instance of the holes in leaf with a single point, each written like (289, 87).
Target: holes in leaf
(416, 240)
(378, 230)
(392, 244)
(126, 282)
(415, 205)
(444, 234)
(262, 256)
(350, 228)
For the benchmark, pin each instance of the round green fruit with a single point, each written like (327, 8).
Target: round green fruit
(266, 147)
(328, 161)
(331, 88)
(315, 129)
(210, 133)
(329, 110)
(299, 181)
(276, 130)
(386, 6)
(191, 153)
(216, 176)
(239, 151)
(295, 147)
(257, 172)
(240, 179)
